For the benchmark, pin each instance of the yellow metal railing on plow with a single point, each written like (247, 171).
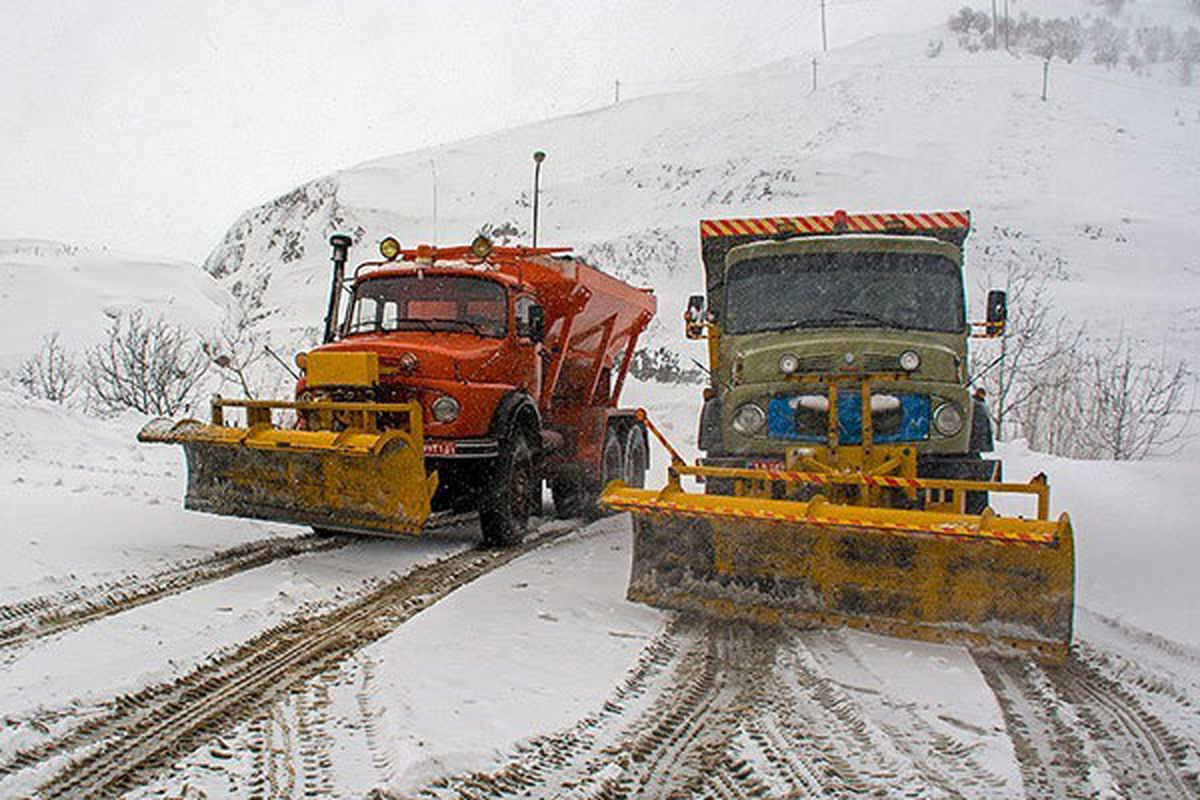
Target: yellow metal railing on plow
(342, 469)
(981, 579)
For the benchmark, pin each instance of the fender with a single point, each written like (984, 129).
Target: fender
(981, 429)
(516, 409)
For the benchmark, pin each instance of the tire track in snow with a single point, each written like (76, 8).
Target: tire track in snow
(33, 618)
(1050, 753)
(1146, 756)
(26, 620)
(728, 711)
(146, 731)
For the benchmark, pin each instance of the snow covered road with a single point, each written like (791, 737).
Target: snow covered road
(232, 658)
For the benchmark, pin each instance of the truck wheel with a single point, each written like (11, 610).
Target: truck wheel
(612, 458)
(504, 507)
(570, 496)
(576, 497)
(637, 457)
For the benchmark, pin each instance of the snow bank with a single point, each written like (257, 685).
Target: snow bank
(49, 287)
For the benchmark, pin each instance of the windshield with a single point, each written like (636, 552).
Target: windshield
(430, 302)
(917, 291)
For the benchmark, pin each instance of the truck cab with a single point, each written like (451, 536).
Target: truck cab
(828, 301)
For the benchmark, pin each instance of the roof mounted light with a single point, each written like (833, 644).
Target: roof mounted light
(389, 248)
(841, 220)
(481, 247)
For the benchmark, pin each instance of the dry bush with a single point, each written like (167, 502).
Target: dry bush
(1035, 335)
(1133, 409)
(52, 373)
(147, 365)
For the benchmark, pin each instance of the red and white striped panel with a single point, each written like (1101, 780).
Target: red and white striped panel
(824, 223)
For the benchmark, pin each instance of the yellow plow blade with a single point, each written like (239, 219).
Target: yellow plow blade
(980, 580)
(352, 480)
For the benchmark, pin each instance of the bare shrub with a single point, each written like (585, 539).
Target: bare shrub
(1134, 409)
(662, 365)
(1051, 38)
(147, 365)
(968, 20)
(52, 373)
(972, 27)
(236, 349)
(1100, 401)
(1034, 336)
(1108, 42)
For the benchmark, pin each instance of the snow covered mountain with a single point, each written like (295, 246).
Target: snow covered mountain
(1098, 181)
(54, 287)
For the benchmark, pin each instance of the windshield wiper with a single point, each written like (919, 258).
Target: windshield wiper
(865, 315)
(424, 323)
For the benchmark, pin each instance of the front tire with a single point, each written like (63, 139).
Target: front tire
(504, 506)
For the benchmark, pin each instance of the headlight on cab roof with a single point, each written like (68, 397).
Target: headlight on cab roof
(788, 363)
(389, 248)
(749, 419)
(948, 419)
(910, 361)
(445, 409)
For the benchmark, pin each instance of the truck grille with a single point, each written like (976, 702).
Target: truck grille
(880, 362)
(803, 418)
(815, 364)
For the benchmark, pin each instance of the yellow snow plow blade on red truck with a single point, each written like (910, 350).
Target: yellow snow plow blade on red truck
(765, 555)
(358, 478)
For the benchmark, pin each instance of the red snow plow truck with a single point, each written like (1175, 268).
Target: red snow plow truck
(458, 378)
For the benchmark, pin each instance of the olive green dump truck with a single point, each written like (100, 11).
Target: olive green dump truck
(848, 472)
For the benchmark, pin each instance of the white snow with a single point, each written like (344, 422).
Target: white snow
(1102, 175)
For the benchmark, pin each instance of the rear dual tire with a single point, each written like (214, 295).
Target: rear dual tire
(624, 457)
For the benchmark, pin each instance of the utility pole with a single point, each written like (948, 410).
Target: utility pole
(1007, 23)
(995, 27)
(824, 38)
(1045, 78)
(617, 92)
(814, 75)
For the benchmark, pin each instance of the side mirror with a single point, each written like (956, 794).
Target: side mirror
(694, 318)
(997, 312)
(537, 324)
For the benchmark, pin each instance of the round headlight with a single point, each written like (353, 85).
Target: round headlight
(445, 409)
(948, 419)
(788, 364)
(389, 248)
(749, 419)
(909, 361)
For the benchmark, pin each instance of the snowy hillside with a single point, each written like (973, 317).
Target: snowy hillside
(1099, 179)
(52, 287)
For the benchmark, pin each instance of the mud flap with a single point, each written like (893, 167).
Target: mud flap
(985, 581)
(367, 482)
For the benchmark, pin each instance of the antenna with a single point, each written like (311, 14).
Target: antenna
(433, 172)
(538, 158)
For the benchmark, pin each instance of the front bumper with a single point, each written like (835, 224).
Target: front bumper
(461, 448)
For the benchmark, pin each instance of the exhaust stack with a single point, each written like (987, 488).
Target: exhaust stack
(340, 243)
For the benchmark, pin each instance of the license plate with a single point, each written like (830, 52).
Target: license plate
(440, 448)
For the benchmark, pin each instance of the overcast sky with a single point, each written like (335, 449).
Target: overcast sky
(149, 126)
